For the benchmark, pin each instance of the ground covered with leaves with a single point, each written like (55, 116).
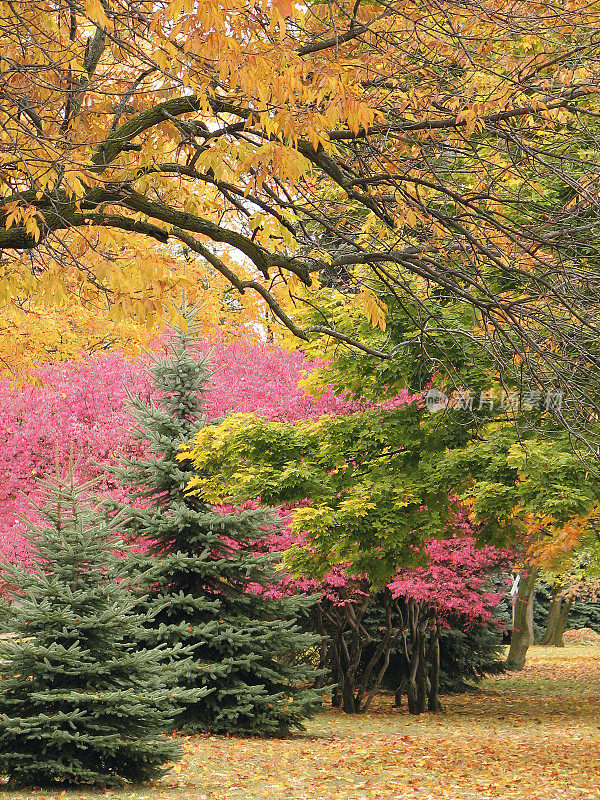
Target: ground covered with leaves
(533, 734)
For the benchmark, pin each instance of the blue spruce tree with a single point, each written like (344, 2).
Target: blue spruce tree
(79, 702)
(247, 647)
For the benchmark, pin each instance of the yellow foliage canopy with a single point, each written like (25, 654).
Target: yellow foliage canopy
(293, 148)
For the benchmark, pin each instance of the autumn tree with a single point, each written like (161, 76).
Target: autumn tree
(536, 486)
(75, 326)
(83, 405)
(381, 481)
(390, 637)
(306, 152)
(569, 574)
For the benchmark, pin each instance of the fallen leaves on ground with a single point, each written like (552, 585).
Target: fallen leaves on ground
(581, 636)
(533, 734)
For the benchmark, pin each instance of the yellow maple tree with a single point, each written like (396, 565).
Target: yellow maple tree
(286, 143)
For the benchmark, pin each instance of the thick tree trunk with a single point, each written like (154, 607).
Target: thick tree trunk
(419, 686)
(553, 614)
(348, 698)
(522, 633)
(412, 684)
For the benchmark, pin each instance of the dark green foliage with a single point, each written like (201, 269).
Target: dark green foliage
(203, 562)
(79, 704)
(584, 614)
(4, 608)
(468, 653)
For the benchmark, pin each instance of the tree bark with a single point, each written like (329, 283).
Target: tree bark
(412, 690)
(419, 686)
(422, 677)
(348, 698)
(521, 634)
(347, 637)
(433, 703)
(398, 694)
(553, 614)
(380, 660)
(336, 697)
(411, 684)
(557, 639)
(529, 618)
(343, 694)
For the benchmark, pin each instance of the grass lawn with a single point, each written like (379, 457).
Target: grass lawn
(533, 734)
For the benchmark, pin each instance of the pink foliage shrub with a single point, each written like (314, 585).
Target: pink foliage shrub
(81, 407)
(455, 580)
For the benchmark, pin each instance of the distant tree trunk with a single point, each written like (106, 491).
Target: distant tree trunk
(553, 614)
(522, 629)
(557, 639)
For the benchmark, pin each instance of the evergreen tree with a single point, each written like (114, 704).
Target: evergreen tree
(468, 653)
(79, 704)
(206, 562)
